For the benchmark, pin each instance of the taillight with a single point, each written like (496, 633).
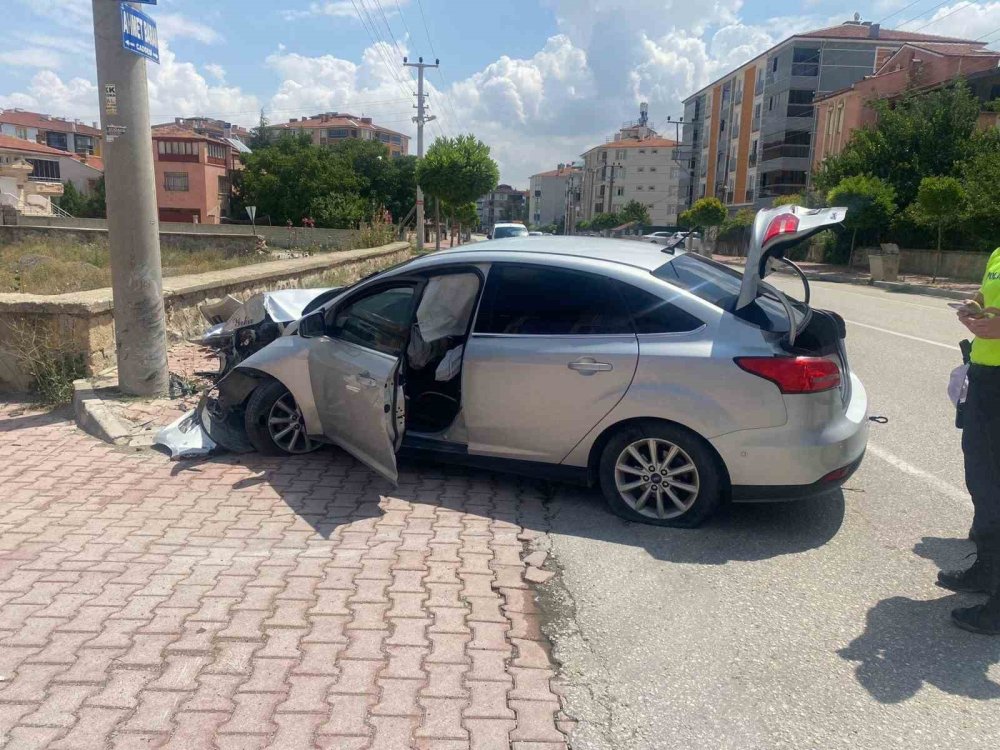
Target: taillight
(781, 224)
(794, 374)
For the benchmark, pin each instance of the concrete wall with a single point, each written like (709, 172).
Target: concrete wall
(963, 266)
(83, 323)
(276, 237)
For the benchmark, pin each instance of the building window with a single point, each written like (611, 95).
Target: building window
(770, 104)
(598, 207)
(224, 186)
(175, 182)
(774, 65)
(337, 133)
(397, 139)
(652, 169)
(640, 169)
(83, 144)
(217, 152)
(642, 150)
(538, 193)
(619, 191)
(177, 148)
(45, 170)
(652, 187)
(800, 103)
(639, 187)
(805, 61)
(56, 140)
(383, 137)
(21, 133)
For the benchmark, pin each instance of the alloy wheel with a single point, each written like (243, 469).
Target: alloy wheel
(657, 478)
(287, 426)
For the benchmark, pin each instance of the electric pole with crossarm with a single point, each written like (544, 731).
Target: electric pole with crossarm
(420, 119)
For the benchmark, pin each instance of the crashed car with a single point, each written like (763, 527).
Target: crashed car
(241, 328)
(671, 381)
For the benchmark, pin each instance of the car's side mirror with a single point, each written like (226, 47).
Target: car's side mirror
(313, 325)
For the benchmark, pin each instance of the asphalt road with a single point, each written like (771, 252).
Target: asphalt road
(808, 625)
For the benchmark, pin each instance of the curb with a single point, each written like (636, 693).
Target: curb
(94, 418)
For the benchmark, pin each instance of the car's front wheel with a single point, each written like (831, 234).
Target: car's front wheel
(660, 474)
(274, 422)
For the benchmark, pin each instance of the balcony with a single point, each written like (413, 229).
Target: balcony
(758, 88)
(785, 150)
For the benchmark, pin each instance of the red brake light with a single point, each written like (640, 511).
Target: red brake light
(781, 224)
(794, 374)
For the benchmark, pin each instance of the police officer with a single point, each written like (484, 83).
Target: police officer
(981, 446)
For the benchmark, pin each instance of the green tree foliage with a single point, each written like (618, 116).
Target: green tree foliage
(709, 214)
(583, 225)
(980, 175)
(635, 211)
(870, 202)
(940, 201)
(82, 206)
(458, 170)
(603, 221)
(795, 199)
(260, 137)
(921, 135)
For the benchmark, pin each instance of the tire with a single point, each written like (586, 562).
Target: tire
(272, 401)
(688, 497)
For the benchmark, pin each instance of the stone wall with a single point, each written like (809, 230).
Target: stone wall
(82, 323)
(231, 244)
(276, 237)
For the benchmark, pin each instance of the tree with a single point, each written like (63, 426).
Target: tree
(940, 201)
(707, 213)
(260, 137)
(583, 225)
(72, 201)
(635, 211)
(603, 221)
(870, 202)
(736, 228)
(981, 181)
(795, 199)
(458, 170)
(921, 135)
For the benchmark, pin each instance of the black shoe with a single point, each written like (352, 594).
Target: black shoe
(983, 618)
(972, 581)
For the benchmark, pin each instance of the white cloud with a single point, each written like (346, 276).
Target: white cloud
(216, 71)
(966, 20)
(341, 9)
(47, 92)
(175, 26)
(31, 57)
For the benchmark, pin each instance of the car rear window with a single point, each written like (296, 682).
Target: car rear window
(720, 285)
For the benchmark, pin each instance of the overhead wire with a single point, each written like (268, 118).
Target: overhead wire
(946, 15)
(897, 12)
(444, 85)
(377, 42)
(923, 13)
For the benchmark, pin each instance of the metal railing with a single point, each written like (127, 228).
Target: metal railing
(24, 207)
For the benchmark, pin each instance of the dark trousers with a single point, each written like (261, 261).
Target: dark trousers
(981, 446)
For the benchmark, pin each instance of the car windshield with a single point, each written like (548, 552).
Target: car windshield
(500, 232)
(720, 285)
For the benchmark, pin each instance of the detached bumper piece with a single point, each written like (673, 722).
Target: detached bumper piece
(753, 493)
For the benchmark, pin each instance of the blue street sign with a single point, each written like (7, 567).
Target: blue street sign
(139, 33)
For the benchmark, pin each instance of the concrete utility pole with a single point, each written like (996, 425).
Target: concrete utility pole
(420, 119)
(133, 228)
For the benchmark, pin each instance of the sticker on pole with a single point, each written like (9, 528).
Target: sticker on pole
(139, 34)
(110, 99)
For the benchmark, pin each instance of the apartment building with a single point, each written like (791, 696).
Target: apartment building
(502, 204)
(193, 173)
(549, 196)
(327, 128)
(55, 132)
(749, 135)
(915, 66)
(49, 168)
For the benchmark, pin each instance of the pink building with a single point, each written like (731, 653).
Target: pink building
(915, 65)
(193, 174)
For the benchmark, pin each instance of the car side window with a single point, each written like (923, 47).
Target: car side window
(535, 300)
(379, 321)
(653, 314)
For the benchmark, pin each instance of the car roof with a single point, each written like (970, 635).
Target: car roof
(508, 224)
(626, 252)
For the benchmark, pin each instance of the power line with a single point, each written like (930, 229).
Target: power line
(376, 38)
(923, 13)
(946, 15)
(897, 12)
(444, 85)
(388, 28)
(402, 18)
(987, 35)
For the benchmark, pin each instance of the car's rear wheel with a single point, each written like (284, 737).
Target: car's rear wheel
(660, 474)
(274, 422)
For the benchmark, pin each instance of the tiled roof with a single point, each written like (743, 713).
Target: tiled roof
(10, 143)
(170, 130)
(862, 31)
(635, 143)
(45, 122)
(333, 121)
(558, 172)
(955, 49)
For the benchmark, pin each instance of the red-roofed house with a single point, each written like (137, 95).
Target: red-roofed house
(749, 136)
(327, 128)
(193, 173)
(32, 173)
(915, 65)
(56, 132)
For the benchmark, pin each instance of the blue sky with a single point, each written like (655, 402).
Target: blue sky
(539, 80)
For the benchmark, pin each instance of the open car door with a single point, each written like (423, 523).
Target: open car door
(354, 371)
(775, 231)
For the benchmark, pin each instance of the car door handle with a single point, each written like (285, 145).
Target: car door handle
(588, 366)
(367, 380)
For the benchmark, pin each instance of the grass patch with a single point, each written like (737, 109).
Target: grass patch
(51, 366)
(61, 267)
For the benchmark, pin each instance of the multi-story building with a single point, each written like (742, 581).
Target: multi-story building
(634, 164)
(548, 194)
(54, 132)
(193, 174)
(31, 174)
(504, 203)
(327, 128)
(749, 135)
(915, 66)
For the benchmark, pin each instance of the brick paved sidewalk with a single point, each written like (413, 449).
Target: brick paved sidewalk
(298, 603)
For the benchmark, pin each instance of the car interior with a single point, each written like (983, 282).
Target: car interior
(432, 366)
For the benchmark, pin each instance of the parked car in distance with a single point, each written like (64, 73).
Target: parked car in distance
(659, 238)
(672, 382)
(536, 234)
(510, 229)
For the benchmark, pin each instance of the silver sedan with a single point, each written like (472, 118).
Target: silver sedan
(672, 382)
